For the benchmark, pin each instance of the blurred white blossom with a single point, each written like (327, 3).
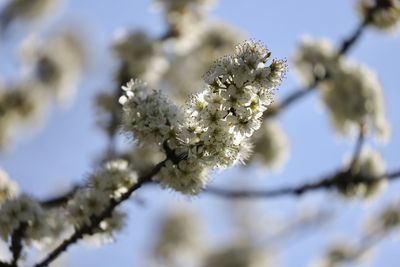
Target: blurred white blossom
(271, 145)
(354, 97)
(16, 212)
(382, 14)
(55, 64)
(8, 188)
(180, 239)
(315, 59)
(351, 92)
(239, 256)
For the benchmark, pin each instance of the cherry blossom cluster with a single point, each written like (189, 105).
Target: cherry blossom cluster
(108, 183)
(215, 127)
(370, 166)
(271, 145)
(149, 116)
(351, 92)
(22, 211)
(8, 188)
(51, 71)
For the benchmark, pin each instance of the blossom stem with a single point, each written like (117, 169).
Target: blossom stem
(96, 220)
(358, 146)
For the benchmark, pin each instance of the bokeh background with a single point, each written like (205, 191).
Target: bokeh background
(63, 151)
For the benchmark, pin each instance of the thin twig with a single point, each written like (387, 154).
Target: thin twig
(325, 183)
(358, 147)
(96, 220)
(60, 200)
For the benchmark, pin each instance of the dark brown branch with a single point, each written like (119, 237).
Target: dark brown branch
(96, 220)
(16, 243)
(59, 200)
(331, 181)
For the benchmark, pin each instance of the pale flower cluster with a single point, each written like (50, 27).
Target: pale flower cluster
(351, 92)
(19, 211)
(370, 166)
(51, 71)
(108, 183)
(271, 145)
(315, 59)
(8, 188)
(388, 219)
(54, 64)
(24, 9)
(239, 256)
(341, 253)
(19, 107)
(140, 56)
(192, 54)
(180, 241)
(355, 97)
(215, 128)
(183, 15)
(382, 14)
(148, 116)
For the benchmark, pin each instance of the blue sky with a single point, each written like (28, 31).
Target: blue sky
(67, 146)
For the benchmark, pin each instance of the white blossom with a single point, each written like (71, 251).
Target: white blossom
(25, 9)
(371, 166)
(20, 108)
(180, 239)
(188, 176)
(339, 254)
(354, 97)
(215, 128)
(140, 57)
(149, 117)
(315, 59)
(113, 180)
(55, 64)
(8, 188)
(22, 210)
(350, 91)
(271, 145)
(239, 256)
(384, 14)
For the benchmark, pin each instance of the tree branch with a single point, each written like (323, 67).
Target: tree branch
(60, 200)
(16, 243)
(96, 220)
(324, 183)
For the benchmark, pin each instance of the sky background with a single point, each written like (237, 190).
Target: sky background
(64, 150)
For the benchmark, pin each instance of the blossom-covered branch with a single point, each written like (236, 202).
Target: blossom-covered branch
(97, 219)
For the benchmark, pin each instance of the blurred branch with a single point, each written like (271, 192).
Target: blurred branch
(358, 146)
(59, 200)
(298, 94)
(16, 243)
(96, 220)
(328, 182)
